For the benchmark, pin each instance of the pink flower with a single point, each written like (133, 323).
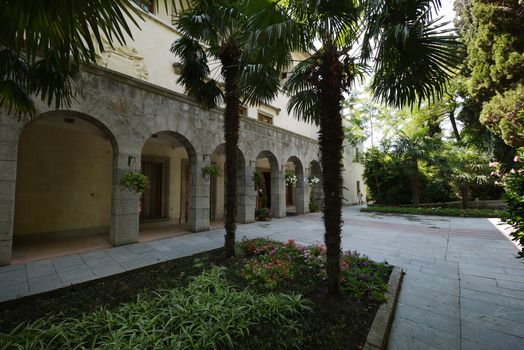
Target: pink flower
(493, 164)
(495, 173)
(516, 159)
(512, 171)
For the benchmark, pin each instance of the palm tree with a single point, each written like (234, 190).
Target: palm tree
(43, 43)
(468, 167)
(410, 150)
(214, 33)
(412, 54)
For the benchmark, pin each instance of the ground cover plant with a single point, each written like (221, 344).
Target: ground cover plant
(271, 295)
(474, 213)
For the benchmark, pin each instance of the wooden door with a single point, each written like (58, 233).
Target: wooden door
(152, 198)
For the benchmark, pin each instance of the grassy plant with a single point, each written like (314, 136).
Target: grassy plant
(207, 314)
(475, 213)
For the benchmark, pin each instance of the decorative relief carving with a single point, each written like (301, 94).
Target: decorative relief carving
(123, 59)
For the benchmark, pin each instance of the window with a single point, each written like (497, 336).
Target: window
(146, 5)
(242, 111)
(265, 118)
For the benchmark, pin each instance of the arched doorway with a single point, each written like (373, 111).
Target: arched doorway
(269, 189)
(316, 189)
(167, 158)
(217, 195)
(63, 186)
(294, 175)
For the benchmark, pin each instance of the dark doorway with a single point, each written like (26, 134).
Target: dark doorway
(152, 198)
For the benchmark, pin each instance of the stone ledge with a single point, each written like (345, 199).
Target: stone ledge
(379, 332)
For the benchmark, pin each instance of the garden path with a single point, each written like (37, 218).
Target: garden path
(463, 288)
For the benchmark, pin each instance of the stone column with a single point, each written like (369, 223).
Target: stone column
(301, 196)
(278, 194)
(9, 134)
(125, 203)
(246, 195)
(199, 188)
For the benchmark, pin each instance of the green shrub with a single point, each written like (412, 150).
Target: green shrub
(474, 213)
(513, 183)
(207, 314)
(263, 214)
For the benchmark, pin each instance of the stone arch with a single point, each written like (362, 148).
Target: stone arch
(169, 160)
(295, 193)
(75, 156)
(271, 193)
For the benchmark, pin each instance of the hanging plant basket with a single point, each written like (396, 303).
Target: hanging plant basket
(291, 179)
(134, 181)
(210, 170)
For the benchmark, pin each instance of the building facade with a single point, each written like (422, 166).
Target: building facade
(60, 172)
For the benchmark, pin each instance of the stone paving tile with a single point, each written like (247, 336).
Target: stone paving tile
(12, 277)
(107, 270)
(479, 333)
(67, 261)
(94, 255)
(422, 333)
(14, 291)
(40, 268)
(71, 274)
(446, 324)
(43, 284)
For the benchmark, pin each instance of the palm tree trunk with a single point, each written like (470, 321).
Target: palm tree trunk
(331, 138)
(464, 193)
(454, 124)
(229, 56)
(415, 184)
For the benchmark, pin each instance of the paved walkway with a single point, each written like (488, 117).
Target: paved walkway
(463, 287)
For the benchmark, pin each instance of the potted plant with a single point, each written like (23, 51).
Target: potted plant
(134, 181)
(210, 170)
(263, 214)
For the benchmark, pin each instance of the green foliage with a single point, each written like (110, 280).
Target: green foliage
(134, 181)
(207, 314)
(438, 211)
(468, 167)
(504, 115)
(263, 214)
(41, 51)
(211, 170)
(494, 72)
(513, 183)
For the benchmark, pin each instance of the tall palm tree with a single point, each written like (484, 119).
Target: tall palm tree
(468, 167)
(410, 150)
(213, 34)
(43, 43)
(411, 54)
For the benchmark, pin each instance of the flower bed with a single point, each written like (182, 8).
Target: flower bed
(272, 295)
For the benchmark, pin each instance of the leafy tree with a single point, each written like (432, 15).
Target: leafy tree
(43, 43)
(412, 54)
(494, 37)
(468, 167)
(214, 34)
(412, 149)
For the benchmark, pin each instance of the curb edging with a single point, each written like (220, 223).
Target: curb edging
(379, 332)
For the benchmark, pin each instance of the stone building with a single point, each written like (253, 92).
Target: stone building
(59, 173)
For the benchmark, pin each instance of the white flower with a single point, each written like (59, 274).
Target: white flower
(313, 180)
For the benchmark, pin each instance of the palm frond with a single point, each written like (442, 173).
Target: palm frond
(258, 83)
(305, 104)
(415, 60)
